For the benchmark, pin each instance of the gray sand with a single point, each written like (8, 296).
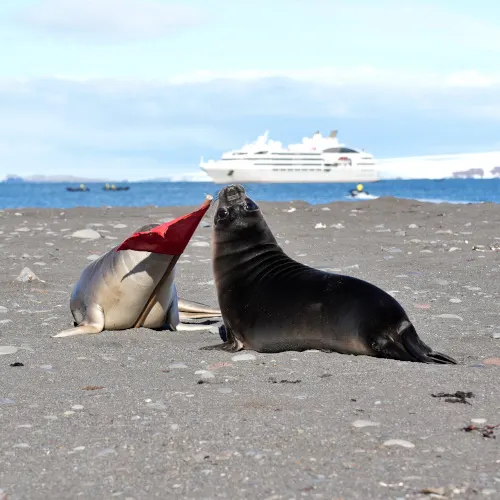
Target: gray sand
(122, 414)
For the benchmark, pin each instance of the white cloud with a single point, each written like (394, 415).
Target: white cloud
(109, 20)
(143, 129)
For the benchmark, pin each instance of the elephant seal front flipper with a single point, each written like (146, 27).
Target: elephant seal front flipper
(272, 303)
(93, 323)
(230, 344)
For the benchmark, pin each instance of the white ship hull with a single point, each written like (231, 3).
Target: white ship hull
(241, 173)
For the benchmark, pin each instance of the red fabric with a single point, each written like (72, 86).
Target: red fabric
(169, 238)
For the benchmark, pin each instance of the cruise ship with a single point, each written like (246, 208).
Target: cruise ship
(315, 159)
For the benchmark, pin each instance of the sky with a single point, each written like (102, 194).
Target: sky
(135, 89)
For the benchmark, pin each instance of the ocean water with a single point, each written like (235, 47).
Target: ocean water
(54, 195)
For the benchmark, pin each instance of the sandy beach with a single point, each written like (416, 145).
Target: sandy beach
(123, 414)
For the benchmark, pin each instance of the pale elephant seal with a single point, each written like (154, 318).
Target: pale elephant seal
(271, 303)
(113, 290)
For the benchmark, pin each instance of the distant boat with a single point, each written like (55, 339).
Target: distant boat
(82, 188)
(112, 187)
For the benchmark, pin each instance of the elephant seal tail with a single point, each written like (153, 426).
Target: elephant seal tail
(418, 349)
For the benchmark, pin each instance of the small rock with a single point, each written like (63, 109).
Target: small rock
(120, 226)
(488, 491)
(244, 357)
(7, 349)
(106, 451)
(399, 442)
(319, 225)
(157, 406)
(77, 407)
(3, 310)
(206, 375)
(48, 368)
(338, 226)
(496, 335)
(412, 226)
(478, 421)
(455, 301)
(449, 316)
(364, 423)
(440, 492)
(86, 234)
(178, 365)
(27, 275)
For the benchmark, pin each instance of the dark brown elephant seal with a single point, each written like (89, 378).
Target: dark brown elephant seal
(271, 303)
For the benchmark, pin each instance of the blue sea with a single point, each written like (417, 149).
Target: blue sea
(55, 195)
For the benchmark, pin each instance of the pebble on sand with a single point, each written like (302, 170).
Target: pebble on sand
(449, 316)
(86, 234)
(478, 421)
(7, 349)
(244, 357)
(364, 423)
(7, 401)
(27, 275)
(205, 374)
(399, 442)
(177, 365)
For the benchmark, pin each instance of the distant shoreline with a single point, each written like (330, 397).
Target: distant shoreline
(58, 179)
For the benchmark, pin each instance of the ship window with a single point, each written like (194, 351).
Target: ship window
(339, 150)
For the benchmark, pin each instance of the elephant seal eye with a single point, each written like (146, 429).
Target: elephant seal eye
(250, 206)
(222, 213)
